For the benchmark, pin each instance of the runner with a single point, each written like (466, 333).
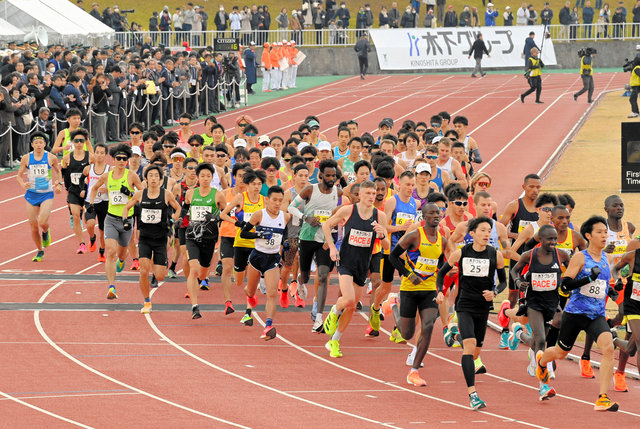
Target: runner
(341, 146)
(472, 153)
(270, 224)
(101, 204)
(479, 262)
(190, 182)
(448, 164)
(76, 161)
(319, 202)
(63, 141)
(544, 207)
(424, 256)
(39, 190)
(154, 225)
(423, 186)
(203, 205)
(347, 163)
(120, 184)
(411, 141)
(440, 178)
(587, 279)
(361, 221)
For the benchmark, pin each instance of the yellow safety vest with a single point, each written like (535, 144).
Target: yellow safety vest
(535, 62)
(635, 79)
(584, 67)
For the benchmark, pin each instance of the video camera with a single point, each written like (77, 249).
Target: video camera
(586, 52)
(628, 65)
(128, 11)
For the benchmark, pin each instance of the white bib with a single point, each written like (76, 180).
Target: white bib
(523, 224)
(199, 212)
(596, 289)
(635, 293)
(543, 282)
(151, 216)
(359, 238)
(475, 267)
(38, 170)
(75, 178)
(117, 198)
(273, 242)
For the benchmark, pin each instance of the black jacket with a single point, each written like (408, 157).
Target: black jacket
(478, 49)
(363, 48)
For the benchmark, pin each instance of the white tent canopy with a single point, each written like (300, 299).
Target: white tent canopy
(8, 31)
(64, 22)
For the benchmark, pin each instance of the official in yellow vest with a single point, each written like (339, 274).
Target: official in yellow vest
(635, 88)
(533, 74)
(586, 73)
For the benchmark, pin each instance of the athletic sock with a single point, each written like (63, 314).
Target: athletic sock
(101, 251)
(519, 334)
(194, 306)
(147, 299)
(334, 310)
(173, 266)
(586, 357)
(319, 317)
(413, 370)
(413, 352)
(248, 311)
(269, 322)
(374, 310)
(468, 369)
(505, 330)
(336, 336)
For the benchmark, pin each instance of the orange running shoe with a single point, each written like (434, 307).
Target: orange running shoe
(414, 378)
(136, 265)
(585, 369)
(386, 305)
(228, 308)
(102, 257)
(186, 295)
(299, 301)
(252, 301)
(605, 404)
(92, 244)
(284, 299)
(620, 382)
(293, 288)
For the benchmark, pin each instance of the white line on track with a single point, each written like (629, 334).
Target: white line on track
(11, 199)
(7, 178)
(26, 221)
(49, 413)
(465, 407)
(72, 396)
(31, 252)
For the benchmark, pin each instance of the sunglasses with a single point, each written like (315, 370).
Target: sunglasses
(315, 128)
(250, 134)
(184, 124)
(400, 140)
(306, 133)
(484, 184)
(286, 159)
(308, 159)
(191, 167)
(159, 164)
(242, 125)
(79, 140)
(222, 155)
(443, 209)
(461, 203)
(271, 170)
(168, 146)
(546, 209)
(436, 125)
(366, 146)
(121, 158)
(194, 145)
(135, 133)
(431, 156)
(265, 144)
(421, 130)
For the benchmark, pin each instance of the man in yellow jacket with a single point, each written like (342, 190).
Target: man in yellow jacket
(534, 72)
(265, 66)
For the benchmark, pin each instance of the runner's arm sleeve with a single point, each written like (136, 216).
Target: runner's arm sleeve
(569, 284)
(502, 281)
(477, 158)
(185, 210)
(441, 273)
(246, 232)
(293, 207)
(530, 244)
(397, 262)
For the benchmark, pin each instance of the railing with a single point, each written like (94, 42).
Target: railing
(580, 32)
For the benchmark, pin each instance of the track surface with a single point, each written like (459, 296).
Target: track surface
(78, 360)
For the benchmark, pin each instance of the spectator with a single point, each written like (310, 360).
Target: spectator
(250, 63)
(533, 16)
(408, 18)
(383, 17)
(116, 19)
(394, 16)
(187, 15)
(465, 17)
(451, 18)
(617, 20)
(177, 24)
(575, 21)
(587, 18)
(245, 23)
(266, 23)
(220, 21)
(331, 6)
(490, 16)
(101, 94)
(235, 20)
(165, 25)
(106, 17)
(475, 18)
(153, 28)
(361, 21)
(283, 23)
(296, 26)
(196, 29)
(431, 5)
(522, 16)
(430, 20)
(319, 22)
(441, 9)
(636, 19)
(205, 19)
(603, 22)
(529, 44)
(477, 50)
(255, 23)
(546, 15)
(343, 15)
(565, 21)
(95, 13)
(363, 48)
(415, 4)
(624, 10)
(368, 16)
(508, 17)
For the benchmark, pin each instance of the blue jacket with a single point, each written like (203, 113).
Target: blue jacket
(71, 90)
(587, 15)
(490, 18)
(250, 66)
(57, 100)
(529, 43)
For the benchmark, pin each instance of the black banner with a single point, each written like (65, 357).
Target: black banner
(630, 157)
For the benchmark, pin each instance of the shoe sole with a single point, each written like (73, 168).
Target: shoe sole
(196, 316)
(228, 311)
(248, 322)
(112, 295)
(479, 407)
(550, 394)
(601, 408)
(270, 335)
(481, 370)
(145, 312)
(415, 384)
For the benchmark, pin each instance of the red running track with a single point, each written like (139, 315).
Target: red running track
(119, 368)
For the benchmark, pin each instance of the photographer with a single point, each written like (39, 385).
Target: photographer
(586, 73)
(232, 75)
(634, 67)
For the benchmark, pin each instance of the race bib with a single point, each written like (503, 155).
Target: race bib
(39, 170)
(359, 238)
(596, 289)
(402, 218)
(322, 215)
(523, 224)
(621, 246)
(296, 221)
(351, 178)
(475, 267)
(544, 282)
(426, 267)
(151, 216)
(199, 212)
(117, 198)
(419, 216)
(635, 292)
(273, 242)
(75, 178)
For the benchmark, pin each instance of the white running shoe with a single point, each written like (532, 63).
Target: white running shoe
(531, 368)
(552, 374)
(313, 267)
(302, 290)
(317, 326)
(633, 115)
(263, 286)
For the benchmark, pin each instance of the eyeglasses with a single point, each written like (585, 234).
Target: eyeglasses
(222, 155)
(484, 184)
(546, 209)
(271, 170)
(286, 159)
(184, 124)
(264, 144)
(194, 145)
(308, 159)
(461, 203)
(431, 156)
(169, 146)
(436, 125)
(79, 140)
(192, 167)
(135, 133)
(421, 130)
(250, 134)
(121, 158)
(366, 146)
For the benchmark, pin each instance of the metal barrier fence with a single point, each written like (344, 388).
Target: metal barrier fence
(600, 32)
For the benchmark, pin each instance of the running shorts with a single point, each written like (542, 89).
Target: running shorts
(415, 301)
(358, 278)
(226, 248)
(374, 265)
(264, 262)
(572, 324)
(472, 325)
(241, 258)
(100, 211)
(37, 198)
(114, 230)
(156, 249)
(308, 249)
(74, 199)
(202, 251)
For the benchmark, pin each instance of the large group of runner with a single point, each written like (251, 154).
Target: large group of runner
(267, 211)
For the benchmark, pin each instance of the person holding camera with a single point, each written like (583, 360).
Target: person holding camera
(634, 67)
(586, 73)
(533, 75)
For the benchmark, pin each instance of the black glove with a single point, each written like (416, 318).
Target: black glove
(210, 217)
(240, 224)
(90, 208)
(126, 191)
(613, 294)
(619, 285)
(126, 224)
(264, 234)
(595, 272)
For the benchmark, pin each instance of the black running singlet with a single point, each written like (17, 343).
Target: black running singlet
(153, 216)
(477, 273)
(357, 242)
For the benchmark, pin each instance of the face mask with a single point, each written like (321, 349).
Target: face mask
(221, 9)
(52, 69)
(368, 8)
(408, 9)
(116, 10)
(413, 11)
(295, 14)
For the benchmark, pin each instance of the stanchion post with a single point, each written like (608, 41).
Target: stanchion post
(160, 103)
(206, 98)
(10, 145)
(148, 106)
(198, 99)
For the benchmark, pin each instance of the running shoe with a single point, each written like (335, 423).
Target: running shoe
(387, 305)
(101, 257)
(547, 392)
(302, 291)
(450, 335)
(411, 359)
(92, 243)
(195, 312)
(284, 299)
(502, 318)
(318, 327)
(204, 285)
(135, 266)
(513, 336)
(479, 366)
(476, 402)
(146, 309)
(359, 306)
(314, 310)
(112, 293)
(293, 288)
(585, 369)
(551, 369)
(605, 404)
(252, 301)
(370, 332)
(414, 378)
(153, 283)
(374, 318)
(262, 286)
(186, 295)
(219, 269)
(269, 333)
(531, 368)
(247, 319)
(46, 238)
(172, 274)
(300, 302)
(228, 308)
(82, 249)
(331, 323)
(633, 115)
(620, 382)
(504, 340)
(119, 266)
(541, 371)
(38, 257)
(71, 221)
(334, 348)
(398, 337)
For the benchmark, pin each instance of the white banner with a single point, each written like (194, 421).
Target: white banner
(448, 48)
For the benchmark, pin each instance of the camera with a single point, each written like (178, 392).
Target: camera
(128, 11)
(628, 65)
(586, 52)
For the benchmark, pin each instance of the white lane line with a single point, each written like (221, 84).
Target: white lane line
(31, 252)
(49, 413)
(26, 221)
(73, 396)
(11, 199)
(465, 407)
(7, 178)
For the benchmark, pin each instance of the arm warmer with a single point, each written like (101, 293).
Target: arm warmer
(398, 264)
(530, 244)
(185, 210)
(570, 284)
(441, 273)
(477, 158)
(246, 232)
(293, 207)
(502, 281)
